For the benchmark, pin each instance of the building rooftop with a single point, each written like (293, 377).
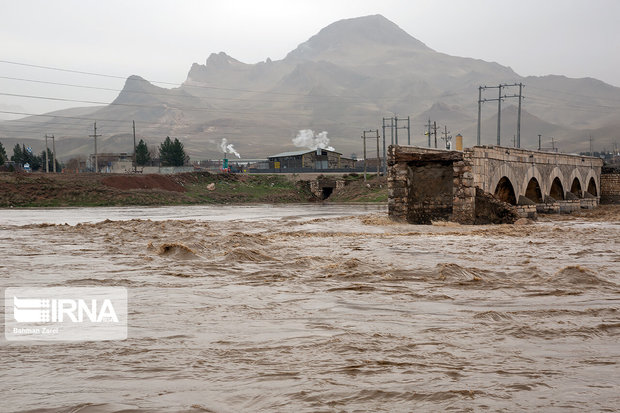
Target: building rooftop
(296, 153)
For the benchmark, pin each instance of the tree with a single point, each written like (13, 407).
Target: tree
(3, 157)
(22, 156)
(172, 153)
(29, 157)
(143, 156)
(50, 160)
(18, 156)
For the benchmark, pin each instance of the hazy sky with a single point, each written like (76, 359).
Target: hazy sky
(160, 39)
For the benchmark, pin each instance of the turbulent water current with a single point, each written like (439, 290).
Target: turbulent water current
(319, 308)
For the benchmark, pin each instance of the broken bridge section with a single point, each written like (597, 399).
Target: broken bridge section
(487, 184)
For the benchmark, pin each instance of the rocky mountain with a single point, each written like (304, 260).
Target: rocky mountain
(343, 80)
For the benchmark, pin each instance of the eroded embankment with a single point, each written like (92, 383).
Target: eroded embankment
(58, 190)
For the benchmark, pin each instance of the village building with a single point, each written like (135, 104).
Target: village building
(316, 159)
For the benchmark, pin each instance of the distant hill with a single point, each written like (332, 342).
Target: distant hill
(343, 80)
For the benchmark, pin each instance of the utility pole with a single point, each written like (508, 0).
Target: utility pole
(445, 136)
(396, 128)
(479, 114)
(378, 156)
(409, 130)
(539, 143)
(376, 132)
(384, 163)
(435, 132)
(428, 132)
(519, 116)
(54, 153)
(47, 162)
(499, 99)
(135, 161)
(591, 153)
(94, 135)
(365, 161)
(499, 115)
(553, 144)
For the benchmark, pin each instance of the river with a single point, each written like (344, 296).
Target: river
(319, 308)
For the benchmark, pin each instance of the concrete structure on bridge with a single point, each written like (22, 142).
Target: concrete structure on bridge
(429, 184)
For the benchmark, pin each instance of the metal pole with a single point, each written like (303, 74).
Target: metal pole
(408, 130)
(54, 153)
(519, 117)
(365, 161)
(378, 156)
(499, 115)
(384, 162)
(96, 156)
(479, 114)
(396, 128)
(392, 129)
(135, 161)
(435, 132)
(429, 132)
(47, 162)
(539, 142)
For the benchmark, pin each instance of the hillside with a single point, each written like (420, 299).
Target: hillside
(342, 80)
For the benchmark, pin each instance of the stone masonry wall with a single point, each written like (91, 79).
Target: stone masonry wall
(428, 184)
(610, 188)
(398, 192)
(464, 195)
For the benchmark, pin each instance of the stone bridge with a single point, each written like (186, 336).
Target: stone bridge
(429, 184)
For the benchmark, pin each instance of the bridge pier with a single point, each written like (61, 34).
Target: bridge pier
(430, 184)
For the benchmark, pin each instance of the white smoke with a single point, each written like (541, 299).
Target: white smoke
(307, 139)
(228, 148)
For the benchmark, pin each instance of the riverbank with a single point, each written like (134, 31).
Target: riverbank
(76, 190)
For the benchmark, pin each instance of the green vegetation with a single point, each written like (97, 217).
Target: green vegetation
(23, 155)
(3, 157)
(61, 190)
(172, 153)
(143, 156)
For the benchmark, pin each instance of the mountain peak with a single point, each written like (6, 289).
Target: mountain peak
(359, 32)
(221, 59)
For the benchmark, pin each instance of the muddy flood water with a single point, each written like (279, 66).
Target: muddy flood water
(320, 308)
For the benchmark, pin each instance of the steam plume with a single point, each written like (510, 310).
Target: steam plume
(307, 139)
(228, 148)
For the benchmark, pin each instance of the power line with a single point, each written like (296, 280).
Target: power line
(168, 94)
(129, 78)
(93, 102)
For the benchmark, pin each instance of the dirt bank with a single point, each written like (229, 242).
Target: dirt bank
(58, 190)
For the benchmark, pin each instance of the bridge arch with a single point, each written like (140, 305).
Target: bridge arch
(532, 183)
(591, 183)
(556, 191)
(533, 191)
(556, 184)
(575, 183)
(504, 170)
(575, 188)
(592, 189)
(505, 191)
